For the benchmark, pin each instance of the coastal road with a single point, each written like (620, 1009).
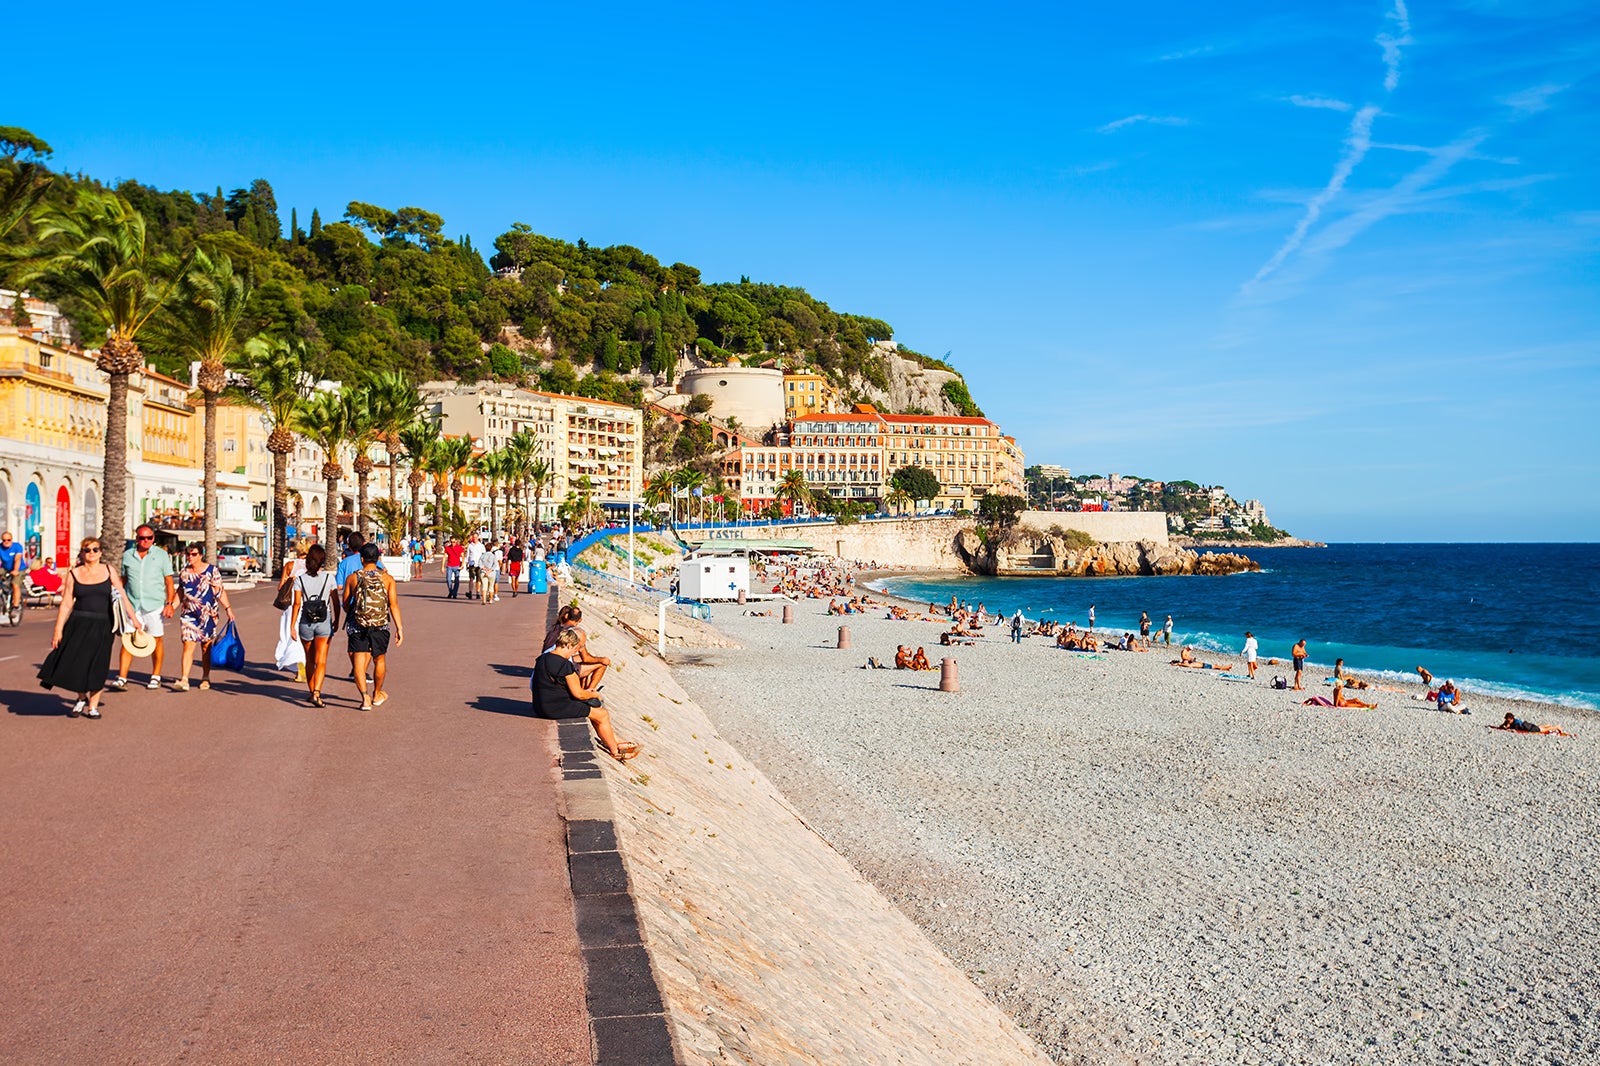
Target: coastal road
(233, 876)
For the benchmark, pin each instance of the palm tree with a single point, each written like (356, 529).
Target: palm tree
(395, 404)
(362, 432)
(540, 474)
(456, 455)
(489, 469)
(96, 252)
(898, 498)
(418, 439)
(438, 466)
(275, 381)
(688, 478)
(520, 451)
(794, 488)
(658, 490)
(324, 420)
(203, 323)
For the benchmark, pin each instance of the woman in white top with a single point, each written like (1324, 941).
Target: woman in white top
(489, 573)
(316, 612)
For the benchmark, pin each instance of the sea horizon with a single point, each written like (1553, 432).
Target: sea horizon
(1519, 629)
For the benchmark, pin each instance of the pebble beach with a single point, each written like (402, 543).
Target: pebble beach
(1142, 863)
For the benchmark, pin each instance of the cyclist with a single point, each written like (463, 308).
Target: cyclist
(12, 562)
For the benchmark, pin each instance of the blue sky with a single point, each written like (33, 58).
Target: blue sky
(1337, 256)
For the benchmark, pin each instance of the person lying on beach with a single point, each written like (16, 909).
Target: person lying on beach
(758, 614)
(919, 661)
(872, 663)
(1341, 700)
(1520, 725)
(1340, 676)
(1186, 658)
(902, 658)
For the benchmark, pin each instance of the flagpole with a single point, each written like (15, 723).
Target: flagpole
(630, 518)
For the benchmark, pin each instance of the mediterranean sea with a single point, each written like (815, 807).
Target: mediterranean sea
(1519, 620)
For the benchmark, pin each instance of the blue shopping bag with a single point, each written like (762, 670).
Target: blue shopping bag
(228, 651)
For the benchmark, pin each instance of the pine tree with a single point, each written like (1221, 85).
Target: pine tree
(294, 227)
(316, 224)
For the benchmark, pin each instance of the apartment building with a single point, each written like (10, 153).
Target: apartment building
(969, 456)
(580, 438)
(807, 394)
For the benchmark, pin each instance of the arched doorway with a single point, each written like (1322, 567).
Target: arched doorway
(91, 512)
(32, 518)
(63, 527)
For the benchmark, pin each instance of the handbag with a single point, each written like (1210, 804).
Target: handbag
(228, 651)
(121, 615)
(285, 595)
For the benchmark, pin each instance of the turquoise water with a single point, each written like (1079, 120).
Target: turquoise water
(1505, 619)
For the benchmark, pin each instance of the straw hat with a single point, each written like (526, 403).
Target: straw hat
(138, 643)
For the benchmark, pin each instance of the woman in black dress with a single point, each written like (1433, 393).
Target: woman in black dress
(80, 654)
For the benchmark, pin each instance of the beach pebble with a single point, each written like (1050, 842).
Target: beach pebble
(1151, 865)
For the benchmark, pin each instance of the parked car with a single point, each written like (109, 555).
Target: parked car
(237, 560)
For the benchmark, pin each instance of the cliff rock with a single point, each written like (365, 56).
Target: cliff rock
(1032, 552)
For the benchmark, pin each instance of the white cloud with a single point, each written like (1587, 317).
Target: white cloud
(1392, 43)
(1532, 100)
(1187, 53)
(1356, 144)
(1324, 102)
(1154, 120)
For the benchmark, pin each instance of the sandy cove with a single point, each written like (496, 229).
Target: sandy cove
(1145, 863)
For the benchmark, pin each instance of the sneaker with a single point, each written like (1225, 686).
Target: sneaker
(118, 684)
(155, 682)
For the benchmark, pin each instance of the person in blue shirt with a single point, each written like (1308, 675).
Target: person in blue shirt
(11, 561)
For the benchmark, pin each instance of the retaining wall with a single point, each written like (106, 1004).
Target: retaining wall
(1107, 527)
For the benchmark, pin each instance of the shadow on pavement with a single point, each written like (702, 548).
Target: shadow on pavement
(39, 703)
(502, 705)
(510, 669)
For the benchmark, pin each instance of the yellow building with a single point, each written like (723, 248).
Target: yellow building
(808, 394)
(52, 444)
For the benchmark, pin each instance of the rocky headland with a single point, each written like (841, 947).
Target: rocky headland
(1027, 552)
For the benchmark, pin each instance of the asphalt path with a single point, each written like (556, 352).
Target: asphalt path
(234, 876)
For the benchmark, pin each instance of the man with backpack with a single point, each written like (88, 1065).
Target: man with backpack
(373, 604)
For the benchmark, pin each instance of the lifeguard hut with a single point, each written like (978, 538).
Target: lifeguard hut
(712, 575)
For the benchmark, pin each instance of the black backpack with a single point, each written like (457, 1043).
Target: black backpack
(313, 611)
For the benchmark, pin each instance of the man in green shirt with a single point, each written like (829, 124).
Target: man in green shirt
(148, 584)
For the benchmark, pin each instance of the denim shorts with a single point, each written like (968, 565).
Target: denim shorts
(310, 631)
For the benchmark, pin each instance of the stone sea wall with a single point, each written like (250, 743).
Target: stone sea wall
(767, 945)
(1106, 527)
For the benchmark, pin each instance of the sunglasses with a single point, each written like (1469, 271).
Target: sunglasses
(142, 537)
(191, 553)
(90, 551)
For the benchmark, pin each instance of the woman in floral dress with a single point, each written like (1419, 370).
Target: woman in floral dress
(200, 594)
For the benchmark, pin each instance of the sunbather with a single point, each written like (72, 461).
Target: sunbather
(919, 661)
(1341, 700)
(1519, 725)
(902, 658)
(1186, 658)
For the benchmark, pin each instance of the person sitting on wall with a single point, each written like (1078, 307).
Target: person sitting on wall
(559, 694)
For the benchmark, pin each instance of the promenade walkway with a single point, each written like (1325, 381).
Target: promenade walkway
(235, 877)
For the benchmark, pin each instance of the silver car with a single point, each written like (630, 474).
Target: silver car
(236, 560)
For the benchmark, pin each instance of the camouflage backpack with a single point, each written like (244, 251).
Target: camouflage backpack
(369, 608)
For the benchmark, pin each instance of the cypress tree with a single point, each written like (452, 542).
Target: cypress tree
(316, 224)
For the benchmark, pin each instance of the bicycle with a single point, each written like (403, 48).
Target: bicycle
(11, 602)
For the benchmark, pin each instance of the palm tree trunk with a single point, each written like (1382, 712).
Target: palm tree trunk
(210, 461)
(494, 525)
(416, 512)
(330, 529)
(360, 517)
(394, 484)
(280, 509)
(114, 474)
(438, 518)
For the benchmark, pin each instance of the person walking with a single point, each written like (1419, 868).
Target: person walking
(473, 557)
(1298, 653)
(200, 594)
(147, 581)
(1144, 628)
(80, 647)
(514, 557)
(1250, 653)
(489, 574)
(454, 552)
(1091, 616)
(1016, 627)
(373, 605)
(316, 613)
(1166, 631)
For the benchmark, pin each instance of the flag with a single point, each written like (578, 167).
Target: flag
(697, 492)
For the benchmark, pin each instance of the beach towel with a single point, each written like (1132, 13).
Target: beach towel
(1318, 701)
(1234, 677)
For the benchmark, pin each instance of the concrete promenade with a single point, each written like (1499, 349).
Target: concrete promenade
(233, 876)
